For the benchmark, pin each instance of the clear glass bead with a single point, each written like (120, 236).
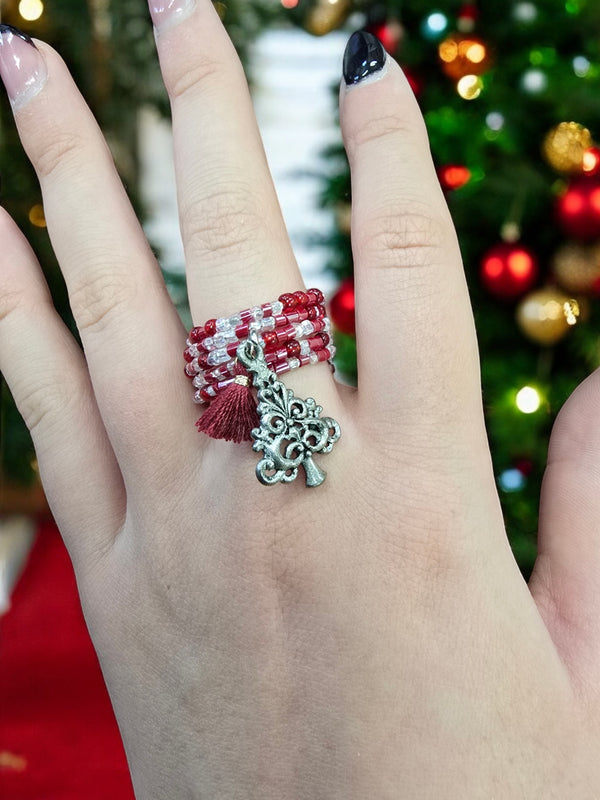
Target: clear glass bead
(314, 358)
(293, 363)
(219, 356)
(223, 324)
(298, 327)
(332, 351)
(307, 327)
(326, 324)
(277, 308)
(255, 326)
(304, 348)
(198, 398)
(268, 324)
(199, 381)
(208, 343)
(257, 313)
(235, 320)
(223, 339)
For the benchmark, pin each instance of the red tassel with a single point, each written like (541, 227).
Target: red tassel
(232, 414)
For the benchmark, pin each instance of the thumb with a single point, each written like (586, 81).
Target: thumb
(566, 579)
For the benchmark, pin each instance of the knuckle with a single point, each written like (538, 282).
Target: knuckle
(56, 149)
(403, 237)
(46, 401)
(227, 223)
(98, 298)
(11, 301)
(190, 78)
(380, 129)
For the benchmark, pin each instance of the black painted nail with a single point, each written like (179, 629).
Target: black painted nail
(16, 32)
(364, 55)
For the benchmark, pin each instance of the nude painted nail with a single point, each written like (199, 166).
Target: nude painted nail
(168, 13)
(22, 68)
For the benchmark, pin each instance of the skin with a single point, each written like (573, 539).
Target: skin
(369, 638)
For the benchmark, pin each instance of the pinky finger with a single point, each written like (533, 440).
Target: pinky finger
(47, 375)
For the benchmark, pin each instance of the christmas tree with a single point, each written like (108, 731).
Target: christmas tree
(109, 48)
(510, 92)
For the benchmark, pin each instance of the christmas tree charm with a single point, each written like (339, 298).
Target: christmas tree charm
(291, 430)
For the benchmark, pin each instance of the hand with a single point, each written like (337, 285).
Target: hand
(368, 638)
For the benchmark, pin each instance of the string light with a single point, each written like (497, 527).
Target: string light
(469, 87)
(31, 9)
(512, 480)
(36, 216)
(528, 400)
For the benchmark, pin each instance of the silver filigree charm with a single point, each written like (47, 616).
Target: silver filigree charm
(291, 430)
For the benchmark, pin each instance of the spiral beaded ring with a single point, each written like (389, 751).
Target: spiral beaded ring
(226, 357)
(294, 331)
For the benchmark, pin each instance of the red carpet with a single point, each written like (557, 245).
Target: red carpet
(58, 735)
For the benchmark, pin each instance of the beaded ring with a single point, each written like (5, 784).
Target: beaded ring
(228, 356)
(293, 331)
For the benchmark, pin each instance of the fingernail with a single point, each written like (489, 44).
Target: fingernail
(364, 56)
(168, 13)
(22, 67)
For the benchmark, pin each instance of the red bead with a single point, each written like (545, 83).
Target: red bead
(302, 298)
(319, 297)
(293, 348)
(242, 330)
(312, 312)
(270, 339)
(321, 311)
(288, 300)
(197, 334)
(206, 395)
(283, 334)
(325, 338)
(188, 355)
(210, 327)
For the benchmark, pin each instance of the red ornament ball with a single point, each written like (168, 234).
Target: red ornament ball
(389, 33)
(415, 80)
(453, 176)
(578, 208)
(591, 161)
(508, 270)
(341, 308)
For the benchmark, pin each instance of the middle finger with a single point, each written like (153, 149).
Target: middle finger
(237, 249)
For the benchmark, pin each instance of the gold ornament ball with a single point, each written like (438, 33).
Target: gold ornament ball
(545, 316)
(463, 55)
(327, 16)
(577, 267)
(564, 146)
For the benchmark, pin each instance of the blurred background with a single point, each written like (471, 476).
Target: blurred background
(510, 90)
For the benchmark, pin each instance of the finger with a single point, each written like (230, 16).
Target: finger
(128, 326)
(237, 250)
(566, 577)
(47, 376)
(417, 351)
